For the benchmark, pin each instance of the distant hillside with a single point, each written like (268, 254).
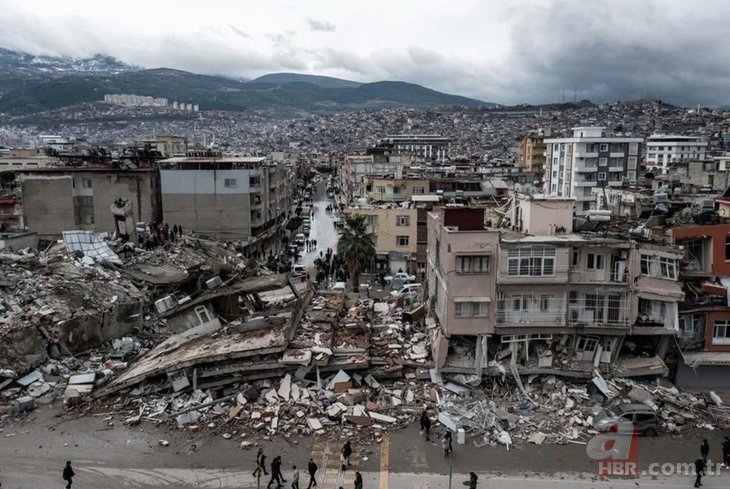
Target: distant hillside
(39, 94)
(320, 81)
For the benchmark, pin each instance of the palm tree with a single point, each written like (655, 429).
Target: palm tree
(355, 247)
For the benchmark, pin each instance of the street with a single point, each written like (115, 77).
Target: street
(323, 225)
(33, 451)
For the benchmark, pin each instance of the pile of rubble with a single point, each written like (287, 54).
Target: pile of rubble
(554, 411)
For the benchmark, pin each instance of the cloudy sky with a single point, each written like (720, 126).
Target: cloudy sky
(507, 51)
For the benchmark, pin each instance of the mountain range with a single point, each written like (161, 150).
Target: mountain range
(30, 84)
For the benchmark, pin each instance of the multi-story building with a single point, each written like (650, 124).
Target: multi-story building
(167, 145)
(421, 147)
(11, 212)
(704, 315)
(575, 165)
(531, 155)
(15, 159)
(663, 150)
(394, 231)
(461, 286)
(230, 198)
(392, 189)
(58, 199)
(357, 168)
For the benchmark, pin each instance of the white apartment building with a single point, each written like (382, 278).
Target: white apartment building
(662, 150)
(575, 165)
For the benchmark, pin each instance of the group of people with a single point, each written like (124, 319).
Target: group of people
(158, 235)
(330, 267)
(310, 244)
(446, 440)
(278, 478)
(701, 463)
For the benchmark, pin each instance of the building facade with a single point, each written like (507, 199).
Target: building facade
(575, 165)
(65, 198)
(531, 155)
(664, 150)
(394, 231)
(421, 147)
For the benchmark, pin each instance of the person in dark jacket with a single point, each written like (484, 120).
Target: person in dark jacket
(726, 452)
(704, 450)
(275, 475)
(260, 464)
(446, 444)
(473, 480)
(700, 471)
(68, 475)
(358, 480)
(426, 424)
(346, 452)
(312, 469)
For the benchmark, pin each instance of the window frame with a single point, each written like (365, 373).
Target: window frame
(400, 238)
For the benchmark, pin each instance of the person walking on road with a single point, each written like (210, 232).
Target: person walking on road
(726, 452)
(700, 471)
(275, 473)
(446, 444)
(358, 480)
(68, 475)
(345, 455)
(705, 450)
(473, 480)
(312, 469)
(295, 478)
(260, 464)
(425, 424)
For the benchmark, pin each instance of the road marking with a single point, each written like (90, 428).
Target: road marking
(384, 462)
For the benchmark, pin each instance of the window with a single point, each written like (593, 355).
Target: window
(254, 181)
(535, 261)
(86, 182)
(601, 176)
(721, 335)
(402, 240)
(419, 190)
(602, 161)
(544, 303)
(397, 190)
(632, 162)
(603, 147)
(727, 247)
(668, 268)
(470, 309)
(633, 148)
(648, 266)
(379, 190)
(230, 183)
(596, 262)
(472, 264)
(371, 221)
(576, 257)
(203, 314)
(402, 220)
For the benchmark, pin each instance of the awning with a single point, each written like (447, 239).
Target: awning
(472, 299)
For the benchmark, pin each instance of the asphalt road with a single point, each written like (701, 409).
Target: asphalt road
(33, 452)
(323, 226)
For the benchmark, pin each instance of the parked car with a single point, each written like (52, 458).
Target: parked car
(298, 271)
(300, 239)
(339, 287)
(642, 415)
(410, 290)
(406, 277)
(305, 230)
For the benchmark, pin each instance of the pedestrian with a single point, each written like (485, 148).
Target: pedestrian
(704, 449)
(473, 480)
(68, 475)
(312, 469)
(726, 452)
(295, 478)
(700, 471)
(345, 455)
(358, 480)
(446, 444)
(275, 476)
(260, 464)
(179, 230)
(425, 424)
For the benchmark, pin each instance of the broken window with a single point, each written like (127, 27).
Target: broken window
(203, 314)
(668, 268)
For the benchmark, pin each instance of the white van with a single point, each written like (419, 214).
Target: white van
(339, 287)
(408, 289)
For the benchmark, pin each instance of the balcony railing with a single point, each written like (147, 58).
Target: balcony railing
(530, 317)
(596, 276)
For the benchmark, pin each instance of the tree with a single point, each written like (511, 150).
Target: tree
(355, 247)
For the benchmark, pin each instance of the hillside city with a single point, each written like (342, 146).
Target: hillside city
(405, 292)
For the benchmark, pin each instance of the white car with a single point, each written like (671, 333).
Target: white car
(409, 290)
(299, 239)
(400, 275)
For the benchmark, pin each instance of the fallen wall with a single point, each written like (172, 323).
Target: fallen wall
(88, 331)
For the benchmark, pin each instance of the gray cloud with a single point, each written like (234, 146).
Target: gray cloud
(604, 51)
(321, 25)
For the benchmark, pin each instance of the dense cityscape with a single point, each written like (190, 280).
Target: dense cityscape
(362, 286)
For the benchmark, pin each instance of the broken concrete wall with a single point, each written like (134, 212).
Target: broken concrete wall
(191, 318)
(88, 331)
(22, 349)
(439, 349)
(48, 205)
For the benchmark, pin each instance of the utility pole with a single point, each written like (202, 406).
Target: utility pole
(451, 469)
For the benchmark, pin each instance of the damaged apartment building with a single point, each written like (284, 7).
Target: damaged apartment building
(533, 292)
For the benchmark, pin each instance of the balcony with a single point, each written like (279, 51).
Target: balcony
(586, 154)
(601, 310)
(524, 268)
(584, 183)
(530, 317)
(596, 277)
